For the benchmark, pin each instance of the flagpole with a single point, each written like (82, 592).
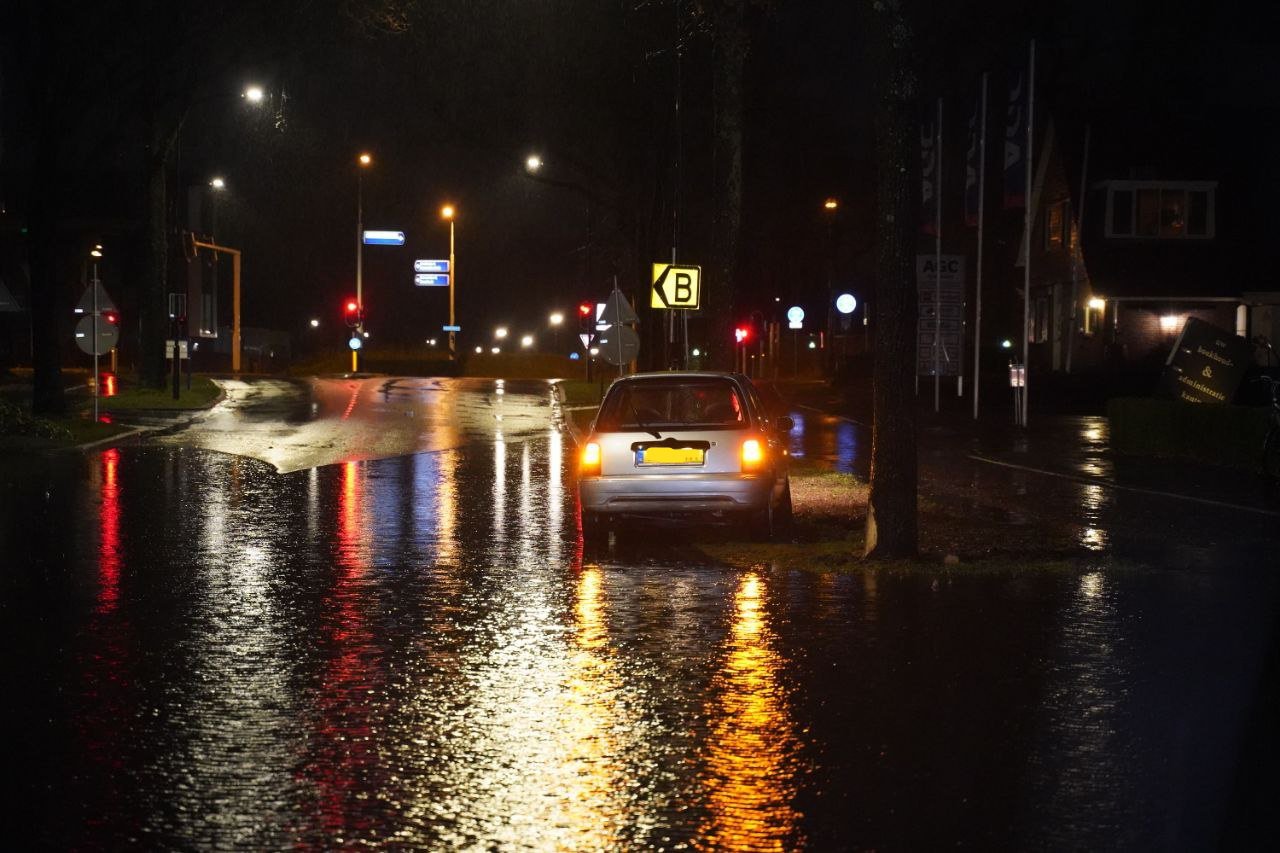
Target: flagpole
(1077, 250)
(1026, 239)
(982, 186)
(937, 264)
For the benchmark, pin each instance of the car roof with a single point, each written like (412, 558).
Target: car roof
(681, 374)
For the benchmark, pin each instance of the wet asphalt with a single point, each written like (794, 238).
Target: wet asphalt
(358, 611)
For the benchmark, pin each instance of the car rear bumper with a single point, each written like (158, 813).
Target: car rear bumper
(675, 493)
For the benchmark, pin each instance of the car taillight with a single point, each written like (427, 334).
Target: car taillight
(591, 458)
(752, 454)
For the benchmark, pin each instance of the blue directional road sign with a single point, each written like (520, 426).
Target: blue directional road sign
(423, 279)
(451, 328)
(430, 266)
(384, 238)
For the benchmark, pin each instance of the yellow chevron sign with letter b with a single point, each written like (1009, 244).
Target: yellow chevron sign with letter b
(676, 287)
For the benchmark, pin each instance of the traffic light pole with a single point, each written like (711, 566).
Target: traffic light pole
(355, 354)
(95, 342)
(453, 278)
(235, 297)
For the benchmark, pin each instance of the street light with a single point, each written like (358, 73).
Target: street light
(315, 324)
(218, 183)
(533, 163)
(363, 161)
(253, 94)
(500, 332)
(448, 214)
(526, 341)
(831, 206)
(556, 319)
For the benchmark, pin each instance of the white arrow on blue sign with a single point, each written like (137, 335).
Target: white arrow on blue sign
(424, 279)
(451, 328)
(430, 266)
(384, 238)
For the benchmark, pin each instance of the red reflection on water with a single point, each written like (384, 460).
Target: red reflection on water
(108, 385)
(344, 758)
(109, 533)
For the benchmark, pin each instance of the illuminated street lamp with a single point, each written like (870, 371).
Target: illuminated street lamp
(496, 350)
(363, 161)
(500, 332)
(315, 324)
(831, 204)
(533, 163)
(218, 183)
(448, 214)
(526, 341)
(253, 94)
(556, 319)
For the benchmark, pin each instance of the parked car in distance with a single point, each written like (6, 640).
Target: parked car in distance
(690, 446)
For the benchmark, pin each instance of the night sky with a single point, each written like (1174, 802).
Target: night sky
(451, 105)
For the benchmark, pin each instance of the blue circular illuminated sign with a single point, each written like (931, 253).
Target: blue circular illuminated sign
(355, 343)
(845, 303)
(795, 314)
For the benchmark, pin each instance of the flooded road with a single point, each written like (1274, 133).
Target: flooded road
(381, 628)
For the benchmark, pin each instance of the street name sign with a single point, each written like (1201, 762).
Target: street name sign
(423, 279)
(451, 328)
(676, 287)
(430, 266)
(384, 238)
(182, 350)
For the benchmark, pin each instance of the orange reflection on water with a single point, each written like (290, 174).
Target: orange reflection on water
(109, 533)
(750, 752)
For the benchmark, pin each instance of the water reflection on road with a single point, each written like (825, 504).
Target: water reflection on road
(412, 651)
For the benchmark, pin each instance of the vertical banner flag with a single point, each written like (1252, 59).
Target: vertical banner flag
(928, 175)
(1015, 136)
(971, 188)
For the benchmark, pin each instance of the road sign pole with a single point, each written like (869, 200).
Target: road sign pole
(355, 359)
(453, 278)
(95, 342)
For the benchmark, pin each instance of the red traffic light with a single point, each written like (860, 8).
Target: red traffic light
(584, 309)
(111, 317)
(741, 334)
(351, 313)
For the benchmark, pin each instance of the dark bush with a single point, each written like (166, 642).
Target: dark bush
(1221, 435)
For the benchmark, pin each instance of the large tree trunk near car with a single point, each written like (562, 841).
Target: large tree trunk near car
(892, 507)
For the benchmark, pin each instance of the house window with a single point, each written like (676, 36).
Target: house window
(1161, 211)
(1055, 225)
(1040, 321)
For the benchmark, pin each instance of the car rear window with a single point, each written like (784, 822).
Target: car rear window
(708, 403)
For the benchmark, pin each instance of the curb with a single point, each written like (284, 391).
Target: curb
(569, 426)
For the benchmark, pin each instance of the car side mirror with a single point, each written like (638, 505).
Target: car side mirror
(785, 424)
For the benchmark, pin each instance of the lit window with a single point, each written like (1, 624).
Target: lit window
(1165, 211)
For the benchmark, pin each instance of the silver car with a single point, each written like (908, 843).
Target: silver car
(697, 446)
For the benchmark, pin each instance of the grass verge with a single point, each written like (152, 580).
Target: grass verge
(202, 394)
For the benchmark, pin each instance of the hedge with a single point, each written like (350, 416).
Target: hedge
(1221, 435)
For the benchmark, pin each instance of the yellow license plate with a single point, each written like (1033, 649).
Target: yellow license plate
(672, 456)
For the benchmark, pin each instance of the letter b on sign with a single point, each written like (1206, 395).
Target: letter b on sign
(684, 288)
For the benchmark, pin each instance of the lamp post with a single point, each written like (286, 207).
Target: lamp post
(95, 253)
(448, 213)
(830, 206)
(363, 162)
(556, 320)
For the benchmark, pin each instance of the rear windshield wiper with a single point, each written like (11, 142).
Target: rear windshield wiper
(640, 423)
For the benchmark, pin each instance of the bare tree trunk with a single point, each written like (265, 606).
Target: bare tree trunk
(47, 397)
(153, 319)
(891, 511)
(730, 59)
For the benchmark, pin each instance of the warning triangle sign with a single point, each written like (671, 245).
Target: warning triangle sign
(7, 302)
(617, 310)
(85, 305)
